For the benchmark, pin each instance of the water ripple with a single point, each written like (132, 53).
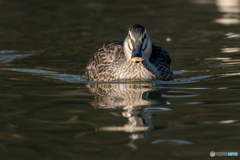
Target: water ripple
(179, 94)
(7, 51)
(9, 58)
(218, 122)
(172, 141)
(156, 109)
(51, 74)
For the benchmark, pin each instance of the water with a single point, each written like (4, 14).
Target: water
(49, 111)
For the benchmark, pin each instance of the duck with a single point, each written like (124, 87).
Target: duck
(135, 58)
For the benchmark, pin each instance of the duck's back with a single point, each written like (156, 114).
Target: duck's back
(99, 67)
(159, 55)
(161, 60)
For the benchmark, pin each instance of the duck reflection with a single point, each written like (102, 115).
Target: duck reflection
(136, 100)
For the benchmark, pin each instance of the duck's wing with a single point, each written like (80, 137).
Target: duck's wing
(159, 56)
(99, 67)
(161, 60)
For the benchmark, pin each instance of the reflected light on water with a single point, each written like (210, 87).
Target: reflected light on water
(10, 58)
(218, 122)
(7, 56)
(231, 10)
(217, 59)
(227, 21)
(168, 39)
(230, 74)
(230, 50)
(172, 141)
(51, 74)
(232, 35)
(179, 72)
(179, 94)
(7, 51)
(228, 6)
(226, 61)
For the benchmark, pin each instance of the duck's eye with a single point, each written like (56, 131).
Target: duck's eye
(129, 35)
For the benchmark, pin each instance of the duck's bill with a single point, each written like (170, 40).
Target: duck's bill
(137, 54)
(137, 59)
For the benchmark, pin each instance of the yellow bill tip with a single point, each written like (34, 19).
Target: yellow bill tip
(137, 59)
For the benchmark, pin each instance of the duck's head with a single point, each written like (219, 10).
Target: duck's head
(137, 45)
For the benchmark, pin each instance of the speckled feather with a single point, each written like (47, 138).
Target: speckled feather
(110, 63)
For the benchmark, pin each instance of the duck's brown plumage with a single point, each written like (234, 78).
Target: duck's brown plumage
(109, 63)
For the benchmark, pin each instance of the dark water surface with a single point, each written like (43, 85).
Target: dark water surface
(49, 111)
